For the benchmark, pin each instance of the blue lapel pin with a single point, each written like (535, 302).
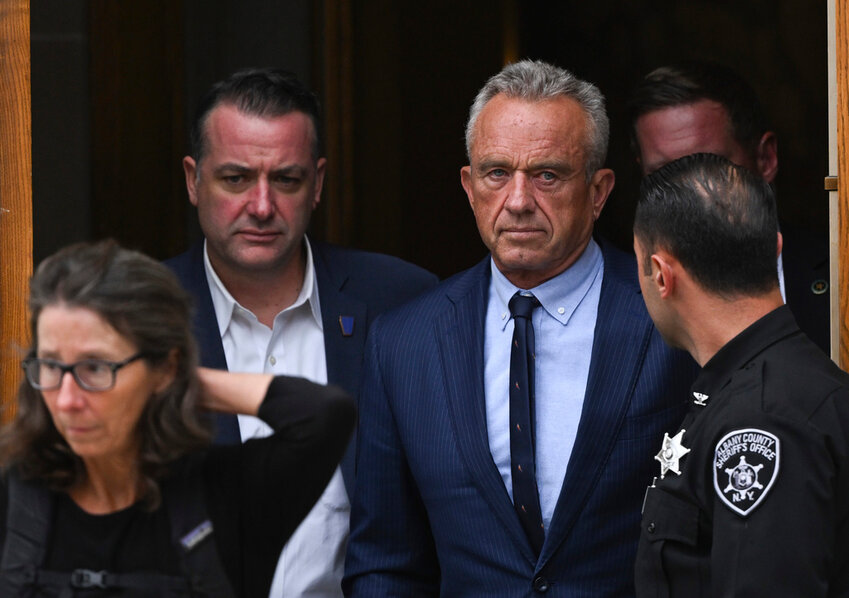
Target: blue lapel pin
(346, 323)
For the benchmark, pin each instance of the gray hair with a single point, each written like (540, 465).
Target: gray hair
(535, 81)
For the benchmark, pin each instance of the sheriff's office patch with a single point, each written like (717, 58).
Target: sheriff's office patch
(745, 465)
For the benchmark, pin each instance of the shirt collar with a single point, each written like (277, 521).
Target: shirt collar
(561, 295)
(743, 348)
(225, 305)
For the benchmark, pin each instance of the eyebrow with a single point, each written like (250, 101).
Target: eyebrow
(85, 355)
(485, 165)
(561, 167)
(231, 167)
(293, 169)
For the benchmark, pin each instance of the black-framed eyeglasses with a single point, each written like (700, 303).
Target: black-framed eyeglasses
(90, 374)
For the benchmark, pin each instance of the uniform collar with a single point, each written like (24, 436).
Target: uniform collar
(743, 348)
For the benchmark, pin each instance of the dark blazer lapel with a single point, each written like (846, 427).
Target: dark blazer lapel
(622, 334)
(460, 338)
(192, 275)
(343, 352)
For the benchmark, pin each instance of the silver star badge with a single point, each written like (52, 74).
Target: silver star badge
(670, 453)
(701, 399)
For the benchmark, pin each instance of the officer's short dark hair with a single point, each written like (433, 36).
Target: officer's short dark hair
(692, 81)
(718, 219)
(264, 92)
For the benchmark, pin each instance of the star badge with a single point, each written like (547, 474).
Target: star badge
(670, 453)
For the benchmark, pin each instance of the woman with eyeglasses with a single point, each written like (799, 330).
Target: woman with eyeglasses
(109, 484)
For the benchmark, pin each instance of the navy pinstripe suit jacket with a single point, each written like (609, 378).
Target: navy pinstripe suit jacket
(431, 515)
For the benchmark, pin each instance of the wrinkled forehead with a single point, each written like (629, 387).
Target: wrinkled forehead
(513, 124)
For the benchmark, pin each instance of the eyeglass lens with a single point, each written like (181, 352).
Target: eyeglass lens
(91, 374)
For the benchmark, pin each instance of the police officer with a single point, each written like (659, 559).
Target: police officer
(752, 496)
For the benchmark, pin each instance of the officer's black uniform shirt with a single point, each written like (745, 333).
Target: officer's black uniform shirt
(761, 502)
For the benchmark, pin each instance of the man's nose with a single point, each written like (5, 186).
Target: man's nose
(520, 196)
(261, 203)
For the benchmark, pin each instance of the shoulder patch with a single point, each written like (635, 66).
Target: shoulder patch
(745, 465)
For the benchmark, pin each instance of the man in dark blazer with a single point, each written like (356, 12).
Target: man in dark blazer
(440, 506)
(268, 299)
(354, 284)
(697, 107)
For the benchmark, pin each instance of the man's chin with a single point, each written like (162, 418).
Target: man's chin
(262, 259)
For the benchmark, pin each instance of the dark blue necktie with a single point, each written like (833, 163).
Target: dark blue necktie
(522, 462)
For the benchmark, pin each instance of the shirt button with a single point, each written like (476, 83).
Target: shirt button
(561, 310)
(650, 527)
(272, 360)
(541, 584)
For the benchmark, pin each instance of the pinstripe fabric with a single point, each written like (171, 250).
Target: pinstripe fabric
(431, 514)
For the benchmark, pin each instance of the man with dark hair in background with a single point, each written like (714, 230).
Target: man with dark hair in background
(268, 299)
(705, 107)
(753, 493)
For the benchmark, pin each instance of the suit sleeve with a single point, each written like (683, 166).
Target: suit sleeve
(391, 551)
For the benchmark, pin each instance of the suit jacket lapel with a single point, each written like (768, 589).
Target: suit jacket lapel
(460, 337)
(343, 353)
(622, 334)
(205, 323)
(208, 336)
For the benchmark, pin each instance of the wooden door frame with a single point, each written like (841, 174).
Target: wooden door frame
(838, 81)
(15, 194)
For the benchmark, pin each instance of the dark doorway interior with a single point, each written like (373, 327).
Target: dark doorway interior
(114, 84)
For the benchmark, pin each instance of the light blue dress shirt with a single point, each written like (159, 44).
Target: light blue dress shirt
(564, 327)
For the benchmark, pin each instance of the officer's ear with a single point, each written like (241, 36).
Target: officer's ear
(663, 273)
(766, 156)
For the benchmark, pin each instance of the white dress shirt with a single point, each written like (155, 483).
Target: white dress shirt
(312, 562)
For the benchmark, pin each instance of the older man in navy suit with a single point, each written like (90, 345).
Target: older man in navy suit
(510, 416)
(270, 300)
